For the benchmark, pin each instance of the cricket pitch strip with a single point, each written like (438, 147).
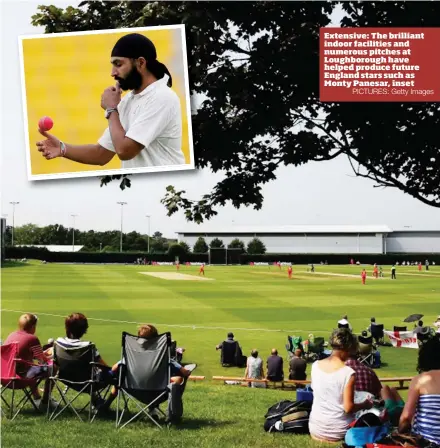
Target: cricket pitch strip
(175, 276)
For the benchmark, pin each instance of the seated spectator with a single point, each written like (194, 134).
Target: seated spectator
(366, 379)
(254, 369)
(76, 325)
(423, 404)
(437, 325)
(275, 366)
(419, 327)
(344, 323)
(333, 385)
(231, 353)
(229, 340)
(29, 349)
(178, 373)
(393, 404)
(297, 367)
(372, 324)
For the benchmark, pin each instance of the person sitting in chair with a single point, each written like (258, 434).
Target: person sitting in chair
(229, 340)
(372, 324)
(29, 349)
(231, 354)
(275, 366)
(419, 327)
(178, 373)
(297, 366)
(76, 325)
(437, 325)
(344, 323)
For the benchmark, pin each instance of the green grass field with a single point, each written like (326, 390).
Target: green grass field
(259, 304)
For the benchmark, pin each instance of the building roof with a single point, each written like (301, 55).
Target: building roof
(54, 248)
(287, 229)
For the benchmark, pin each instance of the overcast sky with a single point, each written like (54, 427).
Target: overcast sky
(317, 193)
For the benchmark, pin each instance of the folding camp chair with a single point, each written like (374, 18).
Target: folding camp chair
(424, 335)
(77, 371)
(231, 355)
(11, 381)
(315, 349)
(377, 333)
(366, 350)
(228, 352)
(144, 375)
(294, 343)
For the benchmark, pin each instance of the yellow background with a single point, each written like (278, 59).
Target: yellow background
(64, 79)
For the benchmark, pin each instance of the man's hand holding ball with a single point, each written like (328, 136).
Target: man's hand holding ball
(51, 147)
(111, 97)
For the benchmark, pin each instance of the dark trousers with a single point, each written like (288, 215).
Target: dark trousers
(393, 275)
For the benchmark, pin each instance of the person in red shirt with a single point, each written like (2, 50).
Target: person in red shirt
(279, 265)
(202, 269)
(29, 349)
(420, 266)
(375, 271)
(364, 276)
(290, 271)
(177, 265)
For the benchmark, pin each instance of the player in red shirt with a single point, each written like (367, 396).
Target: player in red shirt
(279, 265)
(290, 271)
(420, 266)
(178, 265)
(364, 276)
(202, 269)
(375, 271)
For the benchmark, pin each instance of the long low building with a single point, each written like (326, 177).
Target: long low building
(324, 239)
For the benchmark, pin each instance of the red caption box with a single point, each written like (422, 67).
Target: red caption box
(379, 64)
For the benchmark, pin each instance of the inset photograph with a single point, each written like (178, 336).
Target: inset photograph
(106, 102)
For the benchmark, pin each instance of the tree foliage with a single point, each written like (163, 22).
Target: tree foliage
(186, 246)
(256, 247)
(107, 241)
(158, 244)
(200, 246)
(237, 244)
(177, 250)
(256, 64)
(216, 243)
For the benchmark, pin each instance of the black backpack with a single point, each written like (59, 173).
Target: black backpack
(288, 416)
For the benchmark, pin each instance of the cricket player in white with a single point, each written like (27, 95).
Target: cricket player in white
(145, 127)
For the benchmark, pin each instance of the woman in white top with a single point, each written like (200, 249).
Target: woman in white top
(254, 369)
(333, 390)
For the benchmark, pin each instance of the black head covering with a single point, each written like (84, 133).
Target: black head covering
(136, 45)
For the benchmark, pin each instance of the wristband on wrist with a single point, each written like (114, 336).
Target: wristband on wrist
(63, 149)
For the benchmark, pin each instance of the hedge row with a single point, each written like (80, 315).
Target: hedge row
(37, 253)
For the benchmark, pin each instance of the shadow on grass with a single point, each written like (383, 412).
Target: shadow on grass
(186, 423)
(110, 417)
(199, 423)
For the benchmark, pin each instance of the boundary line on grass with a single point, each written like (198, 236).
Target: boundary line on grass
(194, 327)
